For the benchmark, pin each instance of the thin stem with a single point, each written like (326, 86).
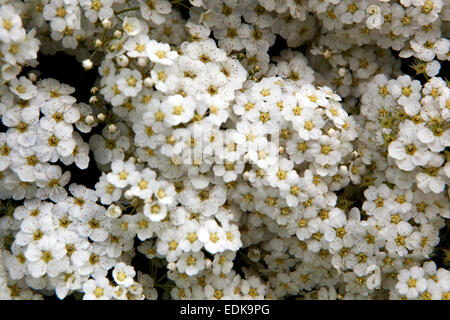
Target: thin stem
(165, 275)
(126, 10)
(180, 2)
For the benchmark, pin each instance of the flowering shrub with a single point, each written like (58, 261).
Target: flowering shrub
(253, 149)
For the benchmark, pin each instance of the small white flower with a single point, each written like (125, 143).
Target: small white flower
(123, 274)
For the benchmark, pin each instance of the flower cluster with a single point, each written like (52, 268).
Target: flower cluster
(253, 149)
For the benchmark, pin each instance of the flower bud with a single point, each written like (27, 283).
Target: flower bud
(208, 263)
(101, 117)
(98, 43)
(254, 254)
(118, 34)
(106, 23)
(87, 64)
(112, 128)
(32, 76)
(142, 62)
(89, 119)
(148, 82)
(93, 100)
(94, 90)
(114, 211)
(128, 195)
(122, 61)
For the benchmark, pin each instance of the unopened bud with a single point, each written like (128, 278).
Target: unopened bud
(101, 117)
(94, 90)
(122, 61)
(32, 76)
(112, 128)
(254, 254)
(148, 82)
(114, 211)
(281, 150)
(106, 23)
(93, 100)
(172, 266)
(87, 64)
(341, 72)
(118, 34)
(89, 119)
(98, 43)
(128, 194)
(142, 62)
(208, 263)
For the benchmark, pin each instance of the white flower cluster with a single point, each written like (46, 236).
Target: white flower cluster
(253, 149)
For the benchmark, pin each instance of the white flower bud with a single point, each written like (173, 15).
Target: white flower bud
(208, 263)
(118, 34)
(94, 90)
(32, 76)
(106, 23)
(89, 120)
(98, 43)
(114, 211)
(142, 62)
(112, 128)
(254, 254)
(172, 266)
(122, 61)
(342, 72)
(128, 195)
(148, 82)
(101, 117)
(87, 64)
(93, 100)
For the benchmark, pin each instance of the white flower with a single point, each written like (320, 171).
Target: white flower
(155, 211)
(408, 152)
(374, 20)
(191, 263)
(129, 82)
(122, 173)
(123, 274)
(177, 109)
(212, 236)
(97, 289)
(51, 183)
(411, 282)
(97, 9)
(160, 53)
(223, 262)
(23, 88)
(132, 26)
(46, 257)
(168, 245)
(144, 184)
(207, 201)
(61, 14)
(190, 240)
(10, 24)
(155, 10)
